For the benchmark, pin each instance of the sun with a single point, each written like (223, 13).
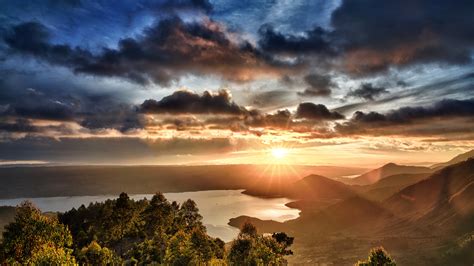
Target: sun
(279, 153)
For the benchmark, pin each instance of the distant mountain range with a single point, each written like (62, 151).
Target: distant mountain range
(387, 170)
(417, 212)
(455, 160)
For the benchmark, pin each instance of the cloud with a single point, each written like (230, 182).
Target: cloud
(31, 104)
(369, 37)
(90, 110)
(17, 126)
(282, 119)
(270, 98)
(367, 91)
(314, 41)
(376, 35)
(120, 116)
(442, 117)
(319, 85)
(187, 102)
(160, 54)
(203, 5)
(105, 150)
(316, 112)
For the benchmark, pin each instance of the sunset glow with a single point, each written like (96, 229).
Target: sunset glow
(232, 88)
(229, 132)
(279, 153)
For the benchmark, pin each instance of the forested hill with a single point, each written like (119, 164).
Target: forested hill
(123, 230)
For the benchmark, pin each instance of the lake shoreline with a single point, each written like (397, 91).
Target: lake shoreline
(218, 207)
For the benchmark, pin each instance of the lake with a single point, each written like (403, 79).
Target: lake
(216, 207)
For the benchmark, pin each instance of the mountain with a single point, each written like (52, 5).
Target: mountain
(389, 169)
(384, 188)
(355, 214)
(316, 187)
(445, 198)
(455, 160)
(311, 187)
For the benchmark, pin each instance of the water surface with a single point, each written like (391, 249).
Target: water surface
(216, 207)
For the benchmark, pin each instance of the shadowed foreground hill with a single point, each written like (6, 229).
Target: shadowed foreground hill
(446, 197)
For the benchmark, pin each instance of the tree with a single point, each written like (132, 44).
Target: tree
(94, 254)
(157, 215)
(48, 254)
(179, 250)
(33, 238)
(250, 248)
(284, 242)
(189, 217)
(248, 229)
(150, 251)
(377, 257)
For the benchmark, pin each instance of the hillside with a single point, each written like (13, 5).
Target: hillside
(311, 192)
(316, 187)
(387, 170)
(388, 186)
(459, 158)
(445, 196)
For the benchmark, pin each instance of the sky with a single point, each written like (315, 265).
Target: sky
(347, 82)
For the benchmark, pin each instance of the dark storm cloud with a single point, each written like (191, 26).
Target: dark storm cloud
(378, 34)
(280, 119)
(314, 41)
(92, 111)
(316, 112)
(319, 85)
(31, 104)
(186, 102)
(203, 5)
(161, 54)
(367, 37)
(17, 126)
(120, 116)
(367, 91)
(441, 113)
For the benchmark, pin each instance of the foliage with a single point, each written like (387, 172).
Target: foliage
(49, 254)
(125, 231)
(154, 231)
(94, 254)
(251, 248)
(377, 257)
(33, 238)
